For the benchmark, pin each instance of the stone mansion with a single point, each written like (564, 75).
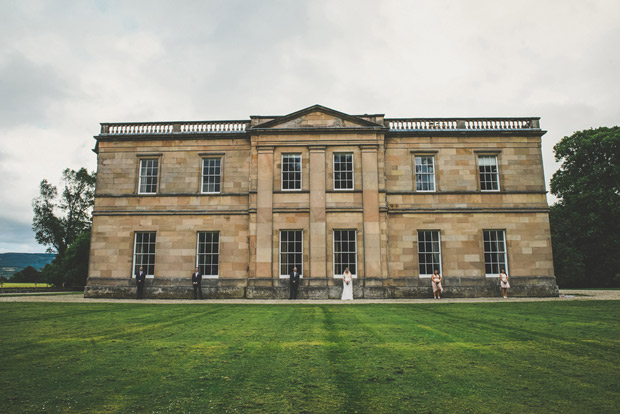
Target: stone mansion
(391, 199)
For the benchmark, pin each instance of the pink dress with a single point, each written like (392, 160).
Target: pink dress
(503, 281)
(436, 283)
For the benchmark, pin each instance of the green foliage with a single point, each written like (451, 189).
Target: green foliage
(71, 268)
(545, 357)
(585, 224)
(57, 222)
(28, 275)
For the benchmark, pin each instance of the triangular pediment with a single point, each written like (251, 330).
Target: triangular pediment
(317, 116)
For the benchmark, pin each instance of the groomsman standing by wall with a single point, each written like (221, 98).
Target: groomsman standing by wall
(140, 280)
(196, 282)
(294, 278)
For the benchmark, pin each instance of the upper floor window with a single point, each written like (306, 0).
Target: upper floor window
(148, 176)
(343, 171)
(291, 172)
(489, 179)
(494, 251)
(211, 175)
(424, 173)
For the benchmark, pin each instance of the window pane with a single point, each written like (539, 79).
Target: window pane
(211, 168)
(494, 251)
(208, 253)
(343, 171)
(429, 252)
(291, 251)
(489, 180)
(144, 252)
(148, 176)
(345, 251)
(291, 172)
(425, 173)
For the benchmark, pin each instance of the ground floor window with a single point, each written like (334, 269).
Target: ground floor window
(345, 251)
(494, 251)
(429, 252)
(208, 253)
(144, 252)
(291, 251)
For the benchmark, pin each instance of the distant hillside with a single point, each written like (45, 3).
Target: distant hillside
(14, 262)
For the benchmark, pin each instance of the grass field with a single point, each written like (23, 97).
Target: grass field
(538, 357)
(7, 295)
(25, 285)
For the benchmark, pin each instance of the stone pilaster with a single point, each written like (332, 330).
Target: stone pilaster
(318, 240)
(264, 212)
(370, 197)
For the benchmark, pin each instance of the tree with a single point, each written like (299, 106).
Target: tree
(585, 224)
(27, 275)
(71, 269)
(58, 222)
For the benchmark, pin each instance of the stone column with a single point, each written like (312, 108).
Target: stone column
(264, 213)
(370, 197)
(318, 240)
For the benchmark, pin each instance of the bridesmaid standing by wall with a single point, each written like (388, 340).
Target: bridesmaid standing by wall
(436, 282)
(503, 281)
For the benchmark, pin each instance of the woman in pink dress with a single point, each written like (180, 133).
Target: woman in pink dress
(503, 282)
(436, 282)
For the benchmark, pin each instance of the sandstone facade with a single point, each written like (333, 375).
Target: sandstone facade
(246, 200)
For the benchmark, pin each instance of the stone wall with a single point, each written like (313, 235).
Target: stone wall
(383, 207)
(528, 243)
(113, 239)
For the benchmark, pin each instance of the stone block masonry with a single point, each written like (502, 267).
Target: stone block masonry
(322, 190)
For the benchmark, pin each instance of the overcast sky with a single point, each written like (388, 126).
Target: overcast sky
(66, 66)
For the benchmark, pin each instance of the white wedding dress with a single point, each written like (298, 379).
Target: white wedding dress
(347, 289)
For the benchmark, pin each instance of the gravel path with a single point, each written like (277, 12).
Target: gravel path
(565, 295)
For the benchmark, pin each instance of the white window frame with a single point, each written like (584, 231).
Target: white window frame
(504, 252)
(198, 253)
(300, 271)
(339, 276)
(135, 243)
(202, 184)
(488, 156)
(415, 165)
(140, 176)
(301, 176)
(439, 267)
(352, 171)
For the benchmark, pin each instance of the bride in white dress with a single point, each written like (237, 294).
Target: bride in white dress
(347, 285)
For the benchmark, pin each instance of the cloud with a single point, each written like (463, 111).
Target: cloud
(16, 236)
(68, 65)
(28, 90)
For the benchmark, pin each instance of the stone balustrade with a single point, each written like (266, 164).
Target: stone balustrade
(395, 124)
(154, 128)
(466, 124)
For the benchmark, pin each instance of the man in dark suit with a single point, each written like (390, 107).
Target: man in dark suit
(294, 283)
(140, 280)
(196, 280)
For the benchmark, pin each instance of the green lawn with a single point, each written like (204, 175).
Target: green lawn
(24, 285)
(6, 295)
(535, 357)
